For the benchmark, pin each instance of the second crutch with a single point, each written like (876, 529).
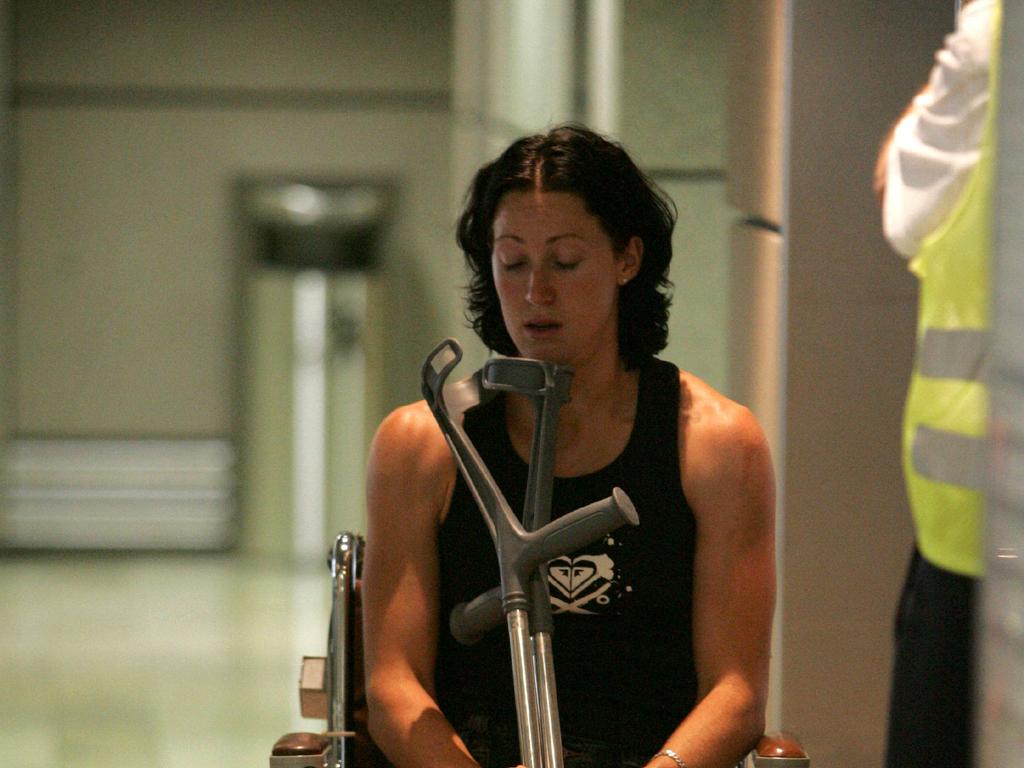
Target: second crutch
(523, 548)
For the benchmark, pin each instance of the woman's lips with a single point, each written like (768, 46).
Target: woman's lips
(541, 328)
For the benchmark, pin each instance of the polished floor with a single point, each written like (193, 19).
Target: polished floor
(165, 661)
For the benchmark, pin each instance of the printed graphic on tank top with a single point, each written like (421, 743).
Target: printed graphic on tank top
(586, 584)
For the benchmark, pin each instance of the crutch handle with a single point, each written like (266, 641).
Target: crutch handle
(577, 529)
(470, 622)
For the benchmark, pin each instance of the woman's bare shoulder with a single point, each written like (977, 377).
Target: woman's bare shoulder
(718, 437)
(410, 455)
(706, 411)
(410, 434)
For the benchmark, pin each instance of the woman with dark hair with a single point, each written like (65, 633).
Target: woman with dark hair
(662, 631)
(613, 189)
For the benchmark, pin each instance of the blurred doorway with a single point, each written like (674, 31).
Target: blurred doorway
(311, 251)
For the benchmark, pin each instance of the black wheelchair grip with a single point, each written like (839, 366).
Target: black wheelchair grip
(469, 622)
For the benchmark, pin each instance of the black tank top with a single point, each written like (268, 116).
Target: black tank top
(623, 640)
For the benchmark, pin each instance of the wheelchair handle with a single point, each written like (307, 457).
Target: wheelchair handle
(780, 749)
(344, 563)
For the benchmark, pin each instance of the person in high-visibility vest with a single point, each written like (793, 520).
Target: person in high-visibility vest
(935, 180)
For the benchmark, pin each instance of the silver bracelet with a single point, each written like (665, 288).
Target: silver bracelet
(671, 755)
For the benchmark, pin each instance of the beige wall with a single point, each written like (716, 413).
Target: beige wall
(673, 95)
(673, 122)
(849, 347)
(129, 268)
(127, 271)
(383, 46)
(135, 129)
(6, 233)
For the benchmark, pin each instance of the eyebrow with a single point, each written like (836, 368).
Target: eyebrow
(550, 240)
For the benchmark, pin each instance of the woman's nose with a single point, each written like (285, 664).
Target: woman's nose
(540, 291)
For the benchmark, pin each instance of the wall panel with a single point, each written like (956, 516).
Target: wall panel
(137, 124)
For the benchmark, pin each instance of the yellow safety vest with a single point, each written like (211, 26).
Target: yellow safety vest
(945, 423)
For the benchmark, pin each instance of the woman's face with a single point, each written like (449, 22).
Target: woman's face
(558, 276)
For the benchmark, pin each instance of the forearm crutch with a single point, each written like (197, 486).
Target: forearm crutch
(523, 549)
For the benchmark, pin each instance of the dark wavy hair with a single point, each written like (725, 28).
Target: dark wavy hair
(572, 158)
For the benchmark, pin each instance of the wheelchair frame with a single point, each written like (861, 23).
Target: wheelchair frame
(346, 743)
(523, 550)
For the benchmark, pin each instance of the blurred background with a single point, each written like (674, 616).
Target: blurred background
(226, 247)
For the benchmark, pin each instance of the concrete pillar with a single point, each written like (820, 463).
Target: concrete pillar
(513, 75)
(1000, 700)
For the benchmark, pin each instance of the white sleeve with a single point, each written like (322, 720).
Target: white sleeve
(937, 143)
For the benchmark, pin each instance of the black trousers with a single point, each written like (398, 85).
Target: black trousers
(931, 707)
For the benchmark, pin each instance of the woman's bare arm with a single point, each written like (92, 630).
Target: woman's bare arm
(409, 484)
(728, 480)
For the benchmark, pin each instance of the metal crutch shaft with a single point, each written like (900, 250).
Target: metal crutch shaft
(524, 674)
(547, 700)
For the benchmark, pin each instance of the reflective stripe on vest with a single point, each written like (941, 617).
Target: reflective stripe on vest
(960, 353)
(949, 457)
